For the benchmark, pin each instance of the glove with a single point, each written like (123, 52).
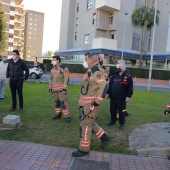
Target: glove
(166, 112)
(107, 96)
(95, 104)
(50, 90)
(64, 91)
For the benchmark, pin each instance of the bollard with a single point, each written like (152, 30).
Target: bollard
(135, 79)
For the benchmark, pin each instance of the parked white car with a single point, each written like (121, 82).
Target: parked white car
(35, 72)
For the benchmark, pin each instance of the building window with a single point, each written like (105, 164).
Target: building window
(28, 55)
(30, 23)
(35, 29)
(29, 32)
(11, 26)
(35, 19)
(78, 7)
(12, 0)
(111, 19)
(136, 42)
(34, 38)
(11, 17)
(12, 8)
(75, 36)
(112, 36)
(29, 37)
(35, 24)
(30, 18)
(30, 14)
(94, 18)
(10, 44)
(89, 4)
(76, 21)
(87, 39)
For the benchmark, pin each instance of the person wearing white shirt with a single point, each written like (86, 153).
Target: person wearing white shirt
(3, 79)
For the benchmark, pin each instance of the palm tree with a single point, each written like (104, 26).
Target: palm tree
(144, 18)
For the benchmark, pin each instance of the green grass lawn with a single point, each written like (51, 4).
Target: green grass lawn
(144, 107)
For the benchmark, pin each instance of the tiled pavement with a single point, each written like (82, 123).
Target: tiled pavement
(28, 156)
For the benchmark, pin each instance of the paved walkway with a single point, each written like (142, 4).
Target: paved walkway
(28, 156)
(151, 139)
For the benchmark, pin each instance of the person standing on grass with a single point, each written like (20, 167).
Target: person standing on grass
(15, 72)
(167, 109)
(126, 71)
(3, 79)
(58, 88)
(166, 113)
(90, 101)
(120, 91)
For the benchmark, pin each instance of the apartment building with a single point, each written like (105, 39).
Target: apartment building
(19, 26)
(13, 13)
(34, 25)
(106, 25)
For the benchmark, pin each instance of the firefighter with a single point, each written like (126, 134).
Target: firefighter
(125, 111)
(166, 113)
(120, 91)
(103, 69)
(167, 110)
(58, 88)
(93, 92)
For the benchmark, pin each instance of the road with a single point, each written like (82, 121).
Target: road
(76, 81)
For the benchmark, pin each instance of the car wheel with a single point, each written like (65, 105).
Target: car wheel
(33, 76)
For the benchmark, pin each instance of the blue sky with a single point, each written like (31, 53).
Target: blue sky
(52, 11)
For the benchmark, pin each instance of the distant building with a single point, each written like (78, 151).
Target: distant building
(34, 26)
(99, 26)
(14, 17)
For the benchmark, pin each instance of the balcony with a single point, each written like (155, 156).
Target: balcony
(12, 13)
(11, 22)
(104, 43)
(19, 7)
(17, 36)
(18, 1)
(18, 13)
(108, 5)
(17, 21)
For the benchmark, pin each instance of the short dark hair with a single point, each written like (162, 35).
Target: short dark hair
(16, 51)
(57, 57)
(87, 53)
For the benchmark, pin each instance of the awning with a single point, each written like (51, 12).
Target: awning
(128, 54)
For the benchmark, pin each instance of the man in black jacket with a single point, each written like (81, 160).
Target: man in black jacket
(120, 91)
(15, 71)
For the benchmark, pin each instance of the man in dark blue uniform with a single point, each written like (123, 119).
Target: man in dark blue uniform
(120, 91)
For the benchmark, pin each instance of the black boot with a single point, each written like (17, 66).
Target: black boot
(105, 139)
(68, 120)
(57, 116)
(79, 153)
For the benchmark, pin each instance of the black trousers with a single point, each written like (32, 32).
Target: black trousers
(117, 105)
(16, 85)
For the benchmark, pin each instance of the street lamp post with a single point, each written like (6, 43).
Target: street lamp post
(124, 35)
(153, 39)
